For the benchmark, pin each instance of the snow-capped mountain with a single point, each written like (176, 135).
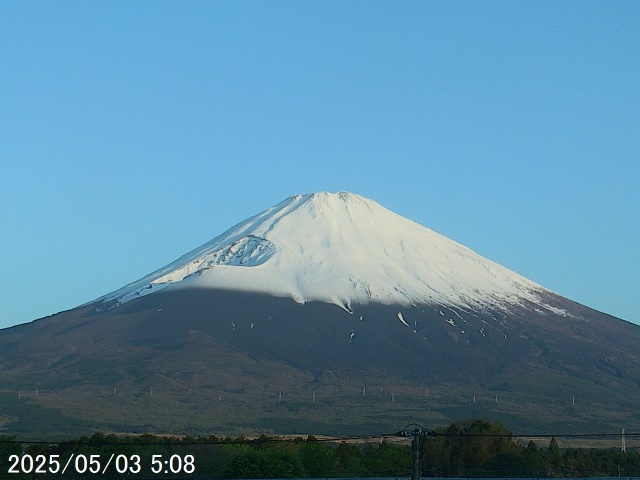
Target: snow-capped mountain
(283, 322)
(345, 249)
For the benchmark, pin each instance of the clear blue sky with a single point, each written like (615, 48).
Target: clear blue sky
(133, 132)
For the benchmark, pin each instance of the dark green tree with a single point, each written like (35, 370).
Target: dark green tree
(553, 459)
(534, 459)
(387, 459)
(319, 459)
(469, 448)
(350, 462)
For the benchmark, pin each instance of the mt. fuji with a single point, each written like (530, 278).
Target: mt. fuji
(326, 313)
(344, 249)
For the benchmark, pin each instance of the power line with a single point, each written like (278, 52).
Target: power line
(408, 431)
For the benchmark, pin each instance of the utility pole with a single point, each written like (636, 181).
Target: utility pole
(417, 433)
(415, 456)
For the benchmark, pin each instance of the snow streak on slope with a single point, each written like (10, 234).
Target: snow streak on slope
(345, 249)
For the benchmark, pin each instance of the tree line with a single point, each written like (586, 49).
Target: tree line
(478, 448)
(472, 448)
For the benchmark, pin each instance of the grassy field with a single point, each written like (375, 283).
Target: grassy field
(332, 406)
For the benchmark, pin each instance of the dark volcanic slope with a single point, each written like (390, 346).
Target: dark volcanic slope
(203, 361)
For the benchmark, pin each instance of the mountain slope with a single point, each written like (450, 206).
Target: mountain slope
(324, 314)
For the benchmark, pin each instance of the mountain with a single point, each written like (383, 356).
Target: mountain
(342, 249)
(326, 313)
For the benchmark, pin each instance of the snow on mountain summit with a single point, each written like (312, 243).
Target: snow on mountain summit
(345, 249)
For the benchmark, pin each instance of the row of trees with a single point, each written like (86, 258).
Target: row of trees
(150, 456)
(474, 448)
(479, 448)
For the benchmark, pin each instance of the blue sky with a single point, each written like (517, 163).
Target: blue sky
(133, 132)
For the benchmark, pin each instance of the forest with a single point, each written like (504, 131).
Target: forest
(471, 448)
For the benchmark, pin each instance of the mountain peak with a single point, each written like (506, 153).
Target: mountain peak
(329, 204)
(345, 249)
